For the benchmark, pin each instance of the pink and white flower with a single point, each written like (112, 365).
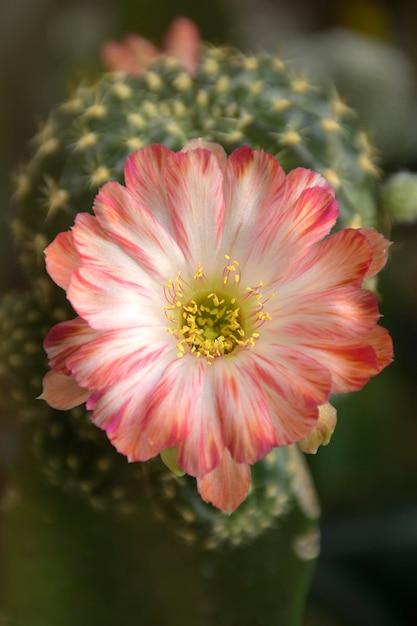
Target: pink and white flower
(134, 54)
(215, 312)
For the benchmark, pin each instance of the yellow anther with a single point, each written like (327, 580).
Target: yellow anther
(211, 324)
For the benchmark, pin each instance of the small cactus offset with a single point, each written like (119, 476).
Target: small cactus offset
(231, 99)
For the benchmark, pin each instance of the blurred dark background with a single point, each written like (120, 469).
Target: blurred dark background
(367, 477)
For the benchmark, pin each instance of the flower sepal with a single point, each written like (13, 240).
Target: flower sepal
(169, 457)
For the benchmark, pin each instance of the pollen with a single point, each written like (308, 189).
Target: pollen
(212, 323)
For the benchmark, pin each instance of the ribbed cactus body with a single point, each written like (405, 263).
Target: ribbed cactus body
(234, 100)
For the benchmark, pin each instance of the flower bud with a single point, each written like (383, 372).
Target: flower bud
(322, 432)
(399, 196)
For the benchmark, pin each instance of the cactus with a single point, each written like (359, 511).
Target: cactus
(234, 100)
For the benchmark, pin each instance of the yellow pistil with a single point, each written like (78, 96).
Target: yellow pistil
(211, 323)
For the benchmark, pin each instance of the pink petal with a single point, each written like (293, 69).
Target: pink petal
(194, 184)
(106, 303)
(291, 422)
(62, 392)
(343, 258)
(203, 447)
(380, 247)
(145, 181)
(133, 55)
(306, 221)
(137, 232)
(227, 485)
(131, 442)
(183, 41)
(300, 179)
(170, 411)
(273, 221)
(247, 429)
(329, 317)
(119, 409)
(351, 365)
(253, 186)
(99, 251)
(62, 259)
(115, 355)
(380, 340)
(293, 384)
(290, 373)
(64, 339)
(215, 148)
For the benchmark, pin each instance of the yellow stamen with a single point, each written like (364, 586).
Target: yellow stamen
(212, 324)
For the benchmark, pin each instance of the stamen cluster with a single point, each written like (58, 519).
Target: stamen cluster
(212, 324)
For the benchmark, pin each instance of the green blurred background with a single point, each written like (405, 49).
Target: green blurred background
(367, 477)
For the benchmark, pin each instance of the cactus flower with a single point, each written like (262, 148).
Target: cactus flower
(134, 54)
(215, 312)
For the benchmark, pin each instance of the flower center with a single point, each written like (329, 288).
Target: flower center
(214, 323)
(212, 326)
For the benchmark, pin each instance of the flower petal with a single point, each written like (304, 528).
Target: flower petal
(64, 339)
(218, 150)
(291, 422)
(227, 485)
(253, 186)
(300, 179)
(119, 409)
(145, 181)
(183, 41)
(99, 251)
(351, 365)
(106, 303)
(62, 259)
(137, 232)
(343, 258)
(290, 373)
(271, 217)
(170, 411)
(203, 447)
(293, 384)
(380, 247)
(62, 392)
(331, 316)
(302, 225)
(111, 356)
(194, 184)
(133, 55)
(247, 429)
(380, 340)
